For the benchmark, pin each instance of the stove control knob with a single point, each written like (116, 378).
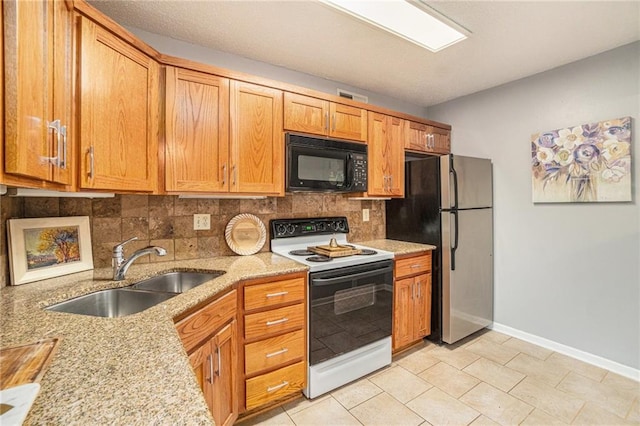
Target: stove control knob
(321, 226)
(334, 226)
(281, 229)
(290, 228)
(341, 225)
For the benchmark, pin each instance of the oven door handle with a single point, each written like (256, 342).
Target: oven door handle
(317, 282)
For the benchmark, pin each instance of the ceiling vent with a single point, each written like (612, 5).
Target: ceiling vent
(353, 96)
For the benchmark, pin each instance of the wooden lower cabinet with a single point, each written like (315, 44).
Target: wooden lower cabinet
(274, 332)
(214, 357)
(412, 300)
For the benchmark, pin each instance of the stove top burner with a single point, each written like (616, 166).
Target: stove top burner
(318, 258)
(301, 252)
(367, 252)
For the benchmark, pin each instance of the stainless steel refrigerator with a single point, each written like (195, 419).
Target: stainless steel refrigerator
(449, 203)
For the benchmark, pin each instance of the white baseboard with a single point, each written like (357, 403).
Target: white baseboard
(587, 357)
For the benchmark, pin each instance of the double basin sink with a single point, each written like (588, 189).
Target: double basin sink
(119, 302)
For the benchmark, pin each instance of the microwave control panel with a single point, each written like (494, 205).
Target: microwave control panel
(359, 173)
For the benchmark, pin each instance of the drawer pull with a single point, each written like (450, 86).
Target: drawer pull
(415, 265)
(280, 293)
(280, 352)
(276, 387)
(280, 321)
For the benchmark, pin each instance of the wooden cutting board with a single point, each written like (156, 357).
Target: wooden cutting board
(25, 363)
(337, 251)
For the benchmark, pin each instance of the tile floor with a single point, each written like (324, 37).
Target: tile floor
(487, 379)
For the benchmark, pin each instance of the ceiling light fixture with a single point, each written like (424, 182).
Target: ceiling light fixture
(412, 20)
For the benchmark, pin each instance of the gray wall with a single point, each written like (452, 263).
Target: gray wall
(233, 62)
(564, 272)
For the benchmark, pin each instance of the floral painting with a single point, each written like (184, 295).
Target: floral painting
(586, 163)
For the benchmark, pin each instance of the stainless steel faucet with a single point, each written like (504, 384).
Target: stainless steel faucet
(120, 264)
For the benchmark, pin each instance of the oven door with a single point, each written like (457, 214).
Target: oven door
(349, 308)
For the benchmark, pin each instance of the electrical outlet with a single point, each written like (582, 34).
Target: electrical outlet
(201, 222)
(365, 215)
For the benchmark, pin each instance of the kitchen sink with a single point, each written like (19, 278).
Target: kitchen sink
(176, 282)
(112, 303)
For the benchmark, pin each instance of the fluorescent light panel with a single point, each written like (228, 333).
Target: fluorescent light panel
(403, 19)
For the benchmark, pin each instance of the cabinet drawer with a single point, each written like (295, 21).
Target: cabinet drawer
(273, 293)
(277, 384)
(270, 353)
(413, 265)
(274, 321)
(199, 325)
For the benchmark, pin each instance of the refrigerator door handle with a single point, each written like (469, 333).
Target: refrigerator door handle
(455, 239)
(455, 182)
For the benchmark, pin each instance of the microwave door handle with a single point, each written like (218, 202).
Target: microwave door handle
(350, 171)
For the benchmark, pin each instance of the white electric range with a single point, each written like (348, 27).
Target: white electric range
(350, 300)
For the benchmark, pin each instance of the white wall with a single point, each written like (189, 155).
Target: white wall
(568, 273)
(233, 62)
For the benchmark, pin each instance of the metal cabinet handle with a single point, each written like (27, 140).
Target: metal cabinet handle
(60, 160)
(218, 370)
(280, 293)
(326, 121)
(333, 123)
(91, 162)
(234, 174)
(415, 265)
(419, 291)
(280, 352)
(280, 321)
(275, 388)
(210, 360)
(390, 183)
(224, 173)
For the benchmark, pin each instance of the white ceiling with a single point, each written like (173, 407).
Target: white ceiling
(508, 41)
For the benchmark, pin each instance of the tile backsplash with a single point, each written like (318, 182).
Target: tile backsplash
(167, 221)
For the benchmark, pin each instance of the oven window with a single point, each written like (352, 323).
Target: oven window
(350, 308)
(321, 169)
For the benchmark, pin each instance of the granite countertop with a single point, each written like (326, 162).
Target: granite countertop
(399, 248)
(134, 369)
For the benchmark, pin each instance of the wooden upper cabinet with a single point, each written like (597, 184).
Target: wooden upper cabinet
(38, 90)
(429, 139)
(386, 156)
(311, 115)
(118, 110)
(256, 139)
(196, 132)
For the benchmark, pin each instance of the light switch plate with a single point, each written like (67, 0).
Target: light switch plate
(365, 215)
(201, 222)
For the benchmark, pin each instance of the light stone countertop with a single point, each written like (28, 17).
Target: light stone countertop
(134, 369)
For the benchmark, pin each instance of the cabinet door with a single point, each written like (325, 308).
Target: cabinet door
(348, 122)
(257, 142)
(118, 108)
(225, 395)
(386, 155)
(197, 132)
(416, 136)
(395, 149)
(201, 361)
(403, 312)
(305, 114)
(442, 140)
(37, 55)
(422, 313)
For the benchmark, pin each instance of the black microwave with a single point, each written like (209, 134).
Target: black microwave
(325, 165)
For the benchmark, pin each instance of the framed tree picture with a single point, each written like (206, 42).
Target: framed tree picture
(48, 247)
